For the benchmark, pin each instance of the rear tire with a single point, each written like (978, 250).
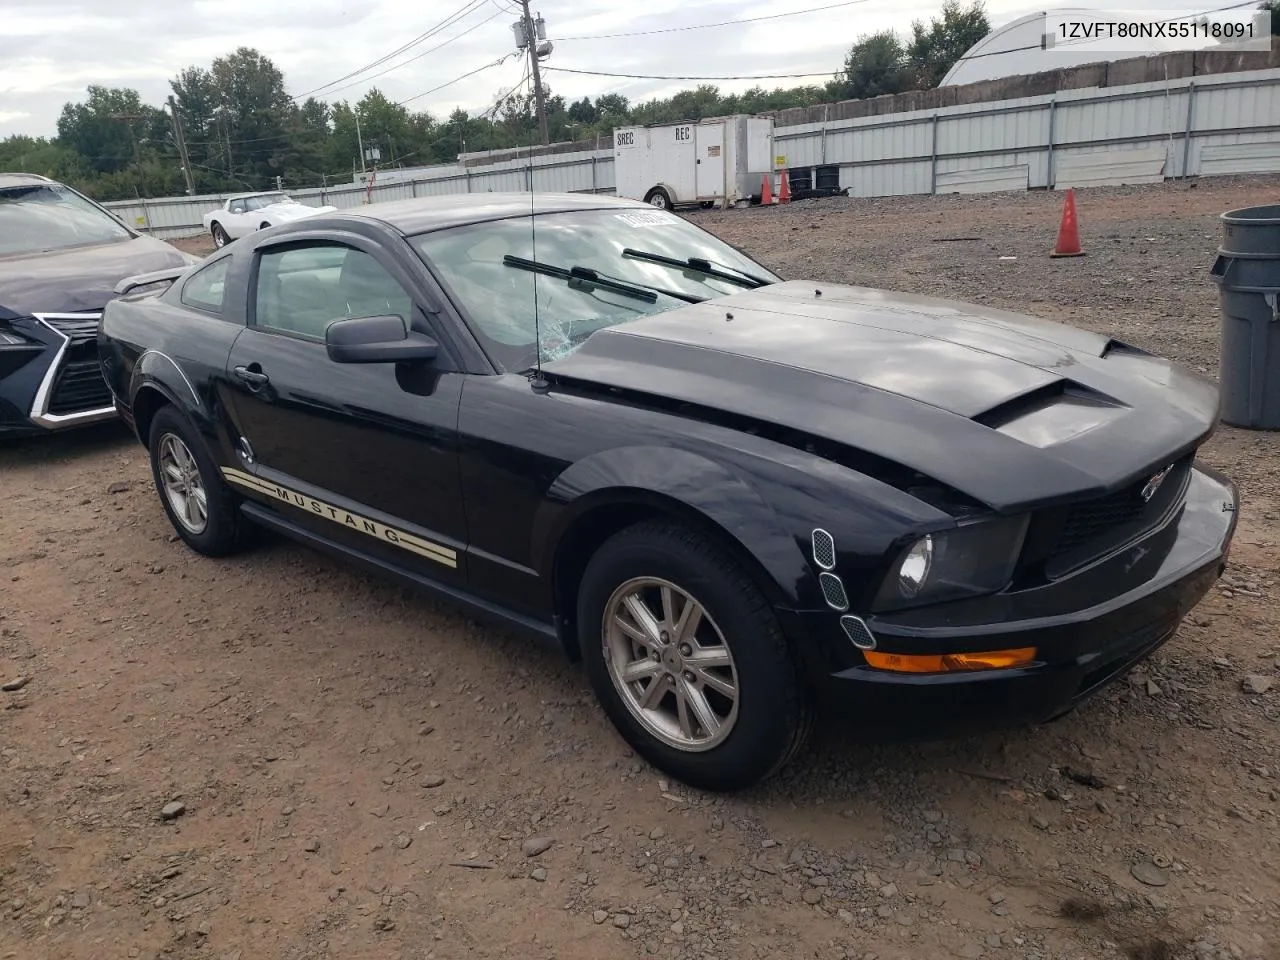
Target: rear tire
(734, 662)
(197, 501)
(220, 237)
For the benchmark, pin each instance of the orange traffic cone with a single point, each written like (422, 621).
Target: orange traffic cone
(1069, 231)
(784, 188)
(766, 191)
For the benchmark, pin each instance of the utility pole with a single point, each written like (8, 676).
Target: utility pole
(128, 119)
(180, 139)
(531, 43)
(226, 135)
(359, 139)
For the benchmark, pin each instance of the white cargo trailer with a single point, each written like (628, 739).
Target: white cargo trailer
(719, 160)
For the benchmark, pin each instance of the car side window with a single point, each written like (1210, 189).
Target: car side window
(206, 288)
(237, 206)
(302, 289)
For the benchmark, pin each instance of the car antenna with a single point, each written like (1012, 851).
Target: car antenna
(539, 382)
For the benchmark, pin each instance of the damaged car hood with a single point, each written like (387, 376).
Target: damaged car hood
(1011, 410)
(78, 279)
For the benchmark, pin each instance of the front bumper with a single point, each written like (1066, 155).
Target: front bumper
(59, 384)
(1082, 642)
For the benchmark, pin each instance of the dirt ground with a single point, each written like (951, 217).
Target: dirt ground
(361, 772)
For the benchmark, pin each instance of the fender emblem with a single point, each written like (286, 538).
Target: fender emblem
(1153, 484)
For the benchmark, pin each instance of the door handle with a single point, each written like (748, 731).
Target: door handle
(254, 378)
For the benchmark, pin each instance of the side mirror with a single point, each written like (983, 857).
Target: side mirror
(376, 340)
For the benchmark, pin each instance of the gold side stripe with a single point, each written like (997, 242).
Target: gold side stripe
(344, 518)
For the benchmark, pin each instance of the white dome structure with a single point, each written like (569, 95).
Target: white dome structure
(1022, 46)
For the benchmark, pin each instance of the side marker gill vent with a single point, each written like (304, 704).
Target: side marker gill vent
(859, 633)
(824, 550)
(833, 592)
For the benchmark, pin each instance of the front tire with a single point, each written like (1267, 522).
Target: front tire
(687, 659)
(195, 498)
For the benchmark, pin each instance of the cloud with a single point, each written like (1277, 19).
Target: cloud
(53, 49)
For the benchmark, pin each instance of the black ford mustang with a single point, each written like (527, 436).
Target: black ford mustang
(737, 499)
(60, 256)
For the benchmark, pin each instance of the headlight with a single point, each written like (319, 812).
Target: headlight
(967, 561)
(10, 338)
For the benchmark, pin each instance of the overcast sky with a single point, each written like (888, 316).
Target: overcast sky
(51, 50)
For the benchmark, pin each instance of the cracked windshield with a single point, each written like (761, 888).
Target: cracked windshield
(591, 269)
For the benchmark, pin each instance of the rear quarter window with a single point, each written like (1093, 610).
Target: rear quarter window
(206, 288)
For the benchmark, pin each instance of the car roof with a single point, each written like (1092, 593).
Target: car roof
(22, 179)
(256, 193)
(424, 214)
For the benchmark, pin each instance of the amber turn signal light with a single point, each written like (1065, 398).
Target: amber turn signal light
(950, 662)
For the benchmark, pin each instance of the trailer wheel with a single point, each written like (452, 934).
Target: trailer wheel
(658, 197)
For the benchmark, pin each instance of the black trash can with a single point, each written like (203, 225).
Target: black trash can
(1247, 272)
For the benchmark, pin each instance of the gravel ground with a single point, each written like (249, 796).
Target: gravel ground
(276, 756)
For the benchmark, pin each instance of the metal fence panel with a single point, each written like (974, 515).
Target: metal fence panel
(1191, 126)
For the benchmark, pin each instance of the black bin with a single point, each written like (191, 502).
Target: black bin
(1247, 272)
(828, 179)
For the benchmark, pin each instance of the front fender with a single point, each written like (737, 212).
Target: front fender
(664, 477)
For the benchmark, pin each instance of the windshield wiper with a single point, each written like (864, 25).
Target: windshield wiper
(703, 266)
(582, 277)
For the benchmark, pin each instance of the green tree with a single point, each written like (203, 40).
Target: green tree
(43, 156)
(935, 48)
(196, 95)
(103, 129)
(583, 111)
(875, 65)
(253, 109)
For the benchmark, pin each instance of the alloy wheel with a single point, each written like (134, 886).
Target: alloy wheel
(183, 487)
(670, 664)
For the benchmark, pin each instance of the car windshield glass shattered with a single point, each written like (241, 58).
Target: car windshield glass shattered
(47, 216)
(591, 268)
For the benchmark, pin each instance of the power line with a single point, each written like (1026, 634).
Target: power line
(650, 76)
(425, 35)
(708, 26)
(417, 56)
(469, 73)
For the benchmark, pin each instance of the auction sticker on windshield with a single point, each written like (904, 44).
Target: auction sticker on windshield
(644, 218)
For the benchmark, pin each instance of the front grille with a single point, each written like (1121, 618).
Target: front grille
(1086, 521)
(78, 328)
(79, 387)
(1063, 539)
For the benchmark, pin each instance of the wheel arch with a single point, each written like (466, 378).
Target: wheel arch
(666, 188)
(158, 381)
(147, 402)
(634, 485)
